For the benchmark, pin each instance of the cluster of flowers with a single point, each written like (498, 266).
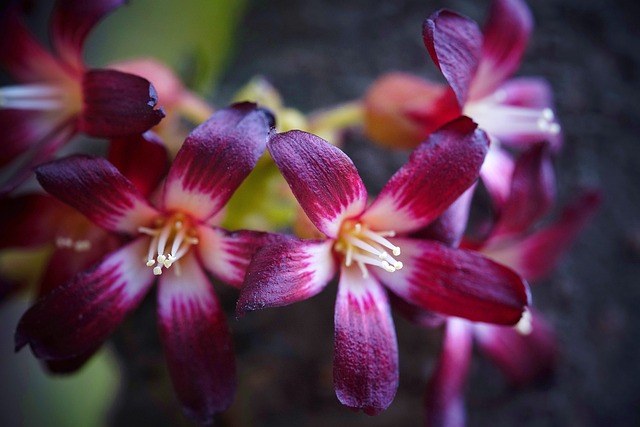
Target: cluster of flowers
(136, 218)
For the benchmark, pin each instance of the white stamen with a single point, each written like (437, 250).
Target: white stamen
(525, 325)
(32, 97)
(76, 245)
(499, 119)
(170, 241)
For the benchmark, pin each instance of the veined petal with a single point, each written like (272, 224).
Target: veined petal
(444, 402)
(142, 158)
(506, 34)
(454, 43)
(117, 104)
(72, 20)
(78, 316)
(533, 191)
(522, 358)
(536, 255)
(22, 55)
(216, 157)
(97, 189)
(226, 254)
(323, 178)
(196, 340)
(365, 362)
(437, 173)
(284, 272)
(457, 282)
(496, 173)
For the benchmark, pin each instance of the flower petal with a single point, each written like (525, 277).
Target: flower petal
(117, 104)
(39, 215)
(196, 340)
(22, 55)
(95, 187)
(142, 158)
(437, 173)
(457, 282)
(533, 191)
(506, 34)
(536, 255)
(226, 254)
(285, 272)
(454, 43)
(496, 173)
(216, 157)
(72, 20)
(522, 358)
(324, 179)
(444, 402)
(77, 317)
(365, 363)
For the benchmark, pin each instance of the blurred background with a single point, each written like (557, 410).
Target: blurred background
(319, 53)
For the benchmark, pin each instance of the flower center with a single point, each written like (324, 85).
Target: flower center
(170, 240)
(363, 246)
(498, 119)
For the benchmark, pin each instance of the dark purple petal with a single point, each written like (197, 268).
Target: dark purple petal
(284, 272)
(454, 43)
(39, 216)
(457, 282)
(216, 157)
(96, 188)
(142, 158)
(496, 173)
(444, 401)
(522, 358)
(437, 173)
(72, 20)
(196, 340)
(536, 255)
(226, 254)
(415, 314)
(324, 179)
(365, 362)
(77, 317)
(533, 191)
(117, 104)
(22, 130)
(22, 55)
(68, 366)
(506, 34)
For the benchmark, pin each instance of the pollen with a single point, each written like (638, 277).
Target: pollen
(170, 240)
(363, 246)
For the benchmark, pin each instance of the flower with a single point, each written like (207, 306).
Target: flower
(370, 246)
(175, 243)
(58, 96)
(528, 352)
(403, 109)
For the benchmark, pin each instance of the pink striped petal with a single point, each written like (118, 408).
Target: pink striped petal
(444, 401)
(536, 255)
(22, 55)
(77, 317)
(95, 187)
(506, 34)
(457, 282)
(285, 272)
(437, 173)
(533, 191)
(531, 92)
(365, 362)
(196, 340)
(522, 358)
(142, 158)
(496, 173)
(226, 254)
(216, 157)
(72, 21)
(324, 179)
(117, 104)
(454, 43)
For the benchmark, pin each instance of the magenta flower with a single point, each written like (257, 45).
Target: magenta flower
(175, 243)
(528, 352)
(477, 66)
(370, 247)
(57, 96)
